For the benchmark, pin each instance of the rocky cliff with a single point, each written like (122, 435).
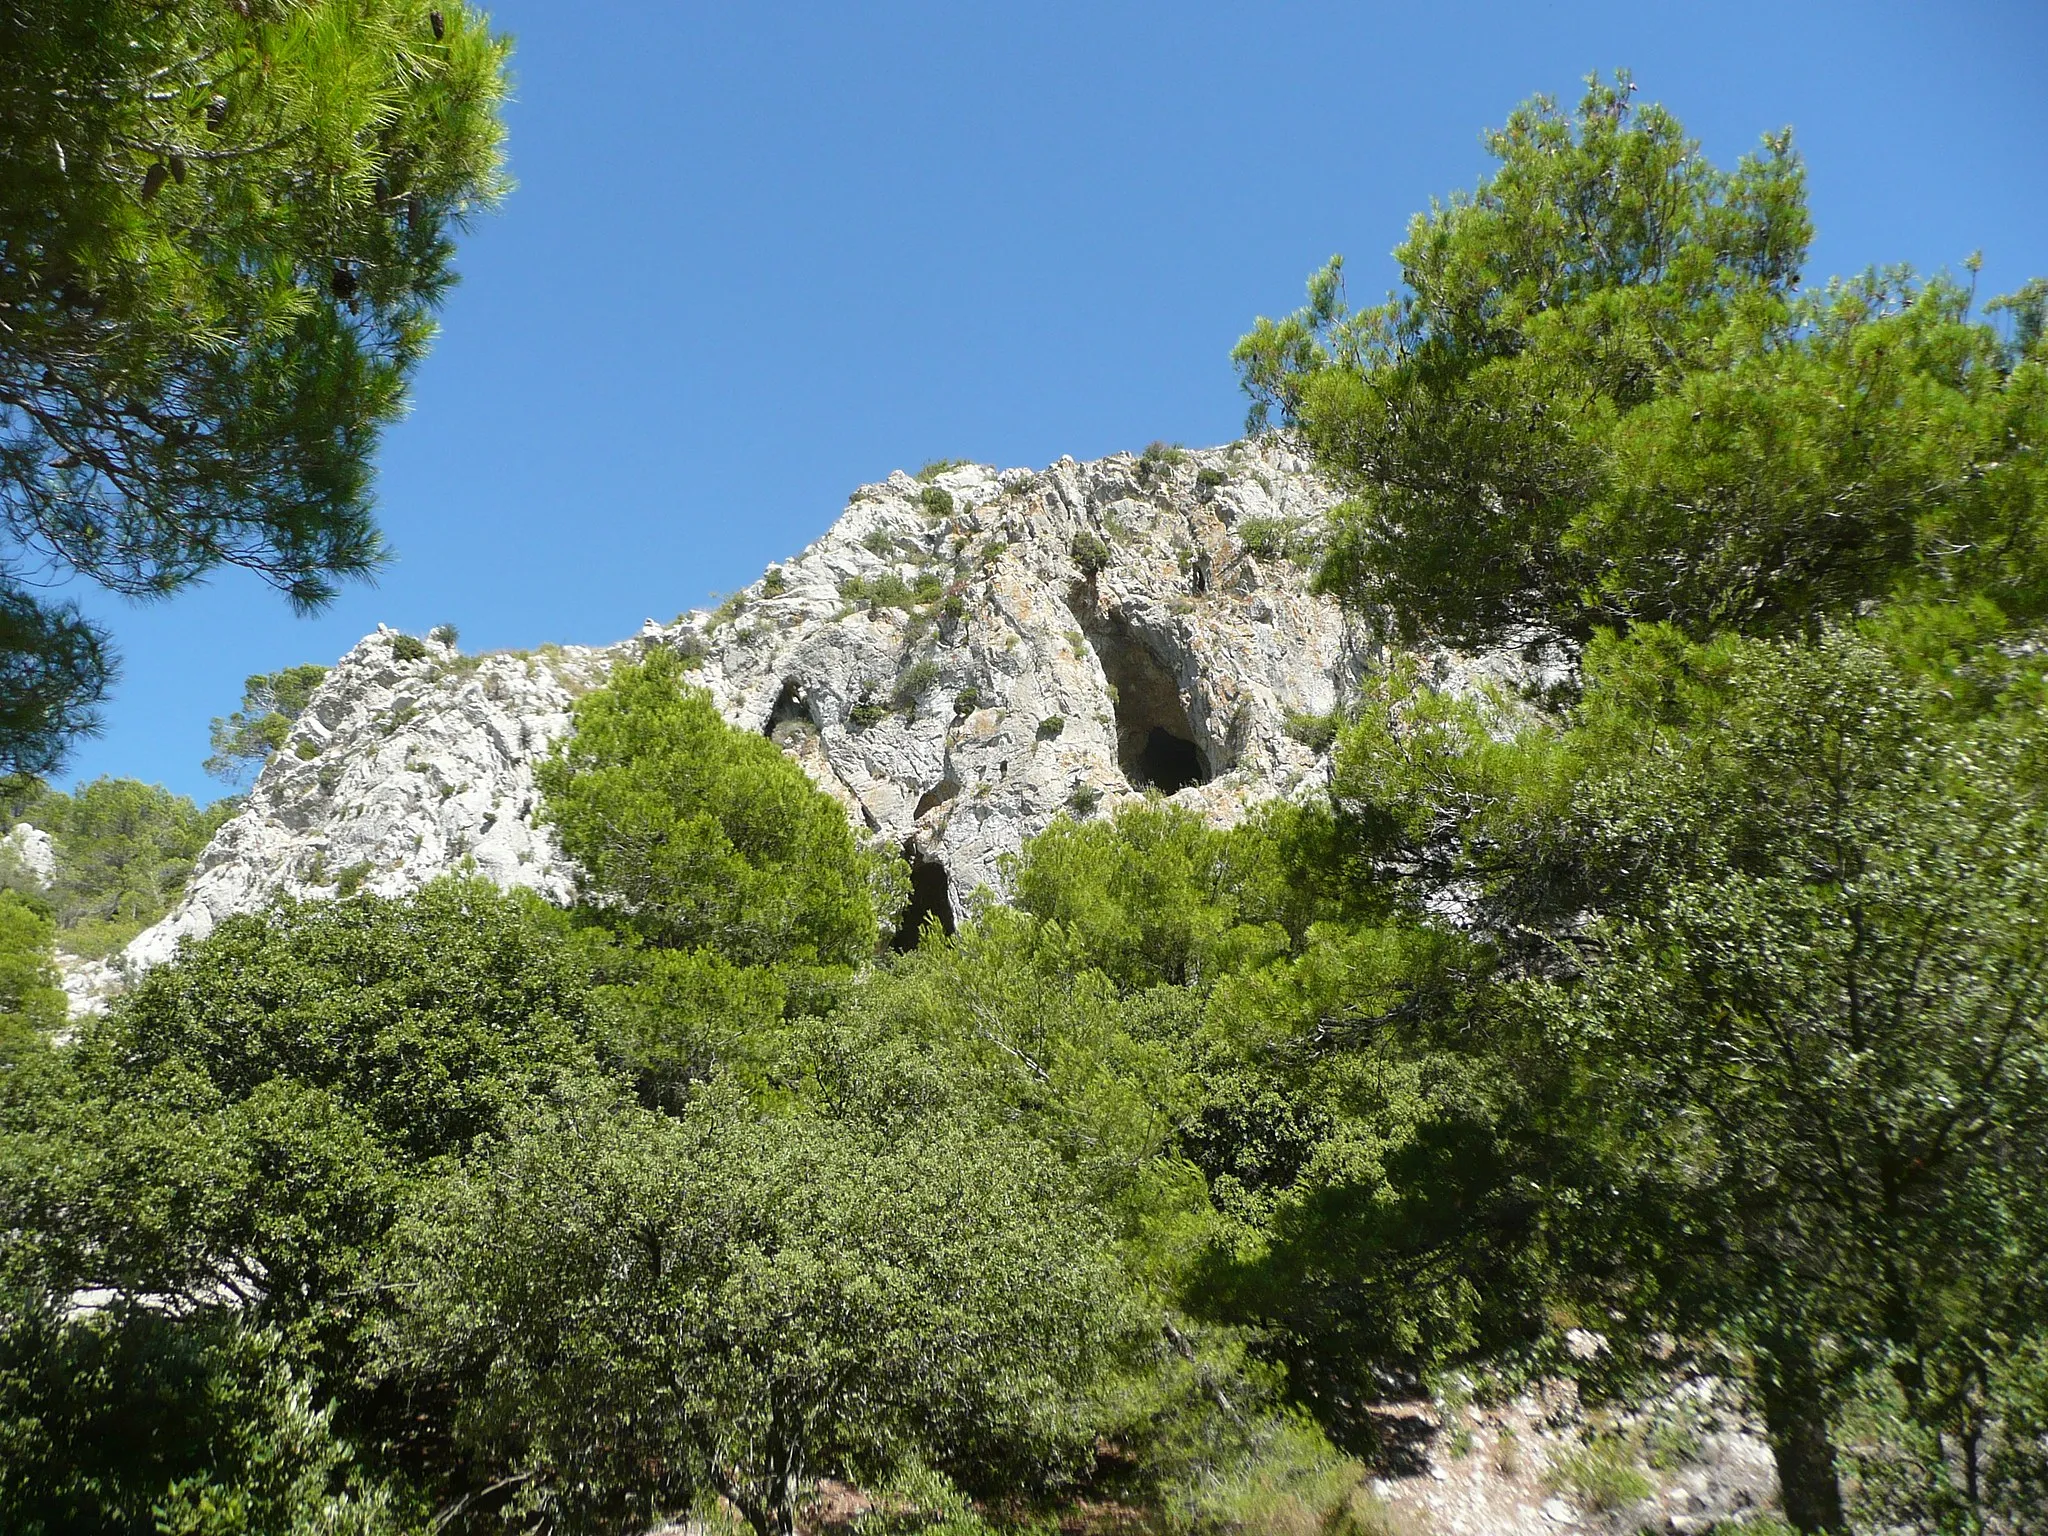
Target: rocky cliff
(959, 659)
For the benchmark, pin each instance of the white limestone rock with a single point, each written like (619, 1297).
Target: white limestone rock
(29, 852)
(1023, 686)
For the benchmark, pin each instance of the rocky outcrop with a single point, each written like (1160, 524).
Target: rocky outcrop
(961, 658)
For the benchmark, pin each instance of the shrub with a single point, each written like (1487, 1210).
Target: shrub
(696, 834)
(1091, 553)
(966, 701)
(954, 607)
(879, 541)
(934, 1296)
(1160, 454)
(1264, 538)
(1207, 479)
(885, 591)
(444, 634)
(1084, 799)
(866, 713)
(350, 880)
(937, 467)
(1600, 1475)
(688, 647)
(408, 648)
(307, 749)
(774, 584)
(1051, 726)
(915, 683)
(937, 501)
(1316, 732)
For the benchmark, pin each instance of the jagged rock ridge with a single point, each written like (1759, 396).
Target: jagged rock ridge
(958, 660)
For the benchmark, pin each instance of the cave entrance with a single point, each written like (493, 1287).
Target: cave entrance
(789, 710)
(1155, 740)
(931, 895)
(1169, 763)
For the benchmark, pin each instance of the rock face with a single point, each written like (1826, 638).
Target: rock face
(959, 660)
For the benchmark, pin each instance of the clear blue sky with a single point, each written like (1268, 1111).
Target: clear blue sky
(762, 253)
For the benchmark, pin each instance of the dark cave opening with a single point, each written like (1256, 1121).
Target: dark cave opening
(1169, 763)
(931, 896)
(1156, 742)
(789, 710)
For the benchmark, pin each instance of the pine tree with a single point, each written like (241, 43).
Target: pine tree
(224, 226)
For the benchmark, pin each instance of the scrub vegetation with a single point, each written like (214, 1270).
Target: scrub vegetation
(1699, 1007)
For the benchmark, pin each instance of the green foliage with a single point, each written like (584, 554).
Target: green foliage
(351, 879)
(1160, 457)
(1091, 553)
(866, 712)
(271, 701)
(222, 1154)
(1598, 399)
(967, 701)
(409, 648)
(1277, 538)
(1601, 1476)
(917, 680)
(1208, 479)
(692, 834)
(32, 1006)
(936, 500)
(731, 1303)
(228, 230)
(1051, 726)
(444, 634)
(891, 591)
(1316, 732)
(1833, 956)
(1152, 897)
(934, 468)
(775, 583)
(124, 851)
(125, 1420)
(1084, 799)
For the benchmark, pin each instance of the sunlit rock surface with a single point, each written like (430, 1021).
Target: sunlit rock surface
(1079, 636)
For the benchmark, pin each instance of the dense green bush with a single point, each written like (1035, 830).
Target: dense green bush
(690, 834)
(124, 850)
(1091, 553)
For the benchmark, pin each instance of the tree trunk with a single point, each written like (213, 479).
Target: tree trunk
(1796, 1421)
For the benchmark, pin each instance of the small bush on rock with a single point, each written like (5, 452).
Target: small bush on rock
(1091, 553)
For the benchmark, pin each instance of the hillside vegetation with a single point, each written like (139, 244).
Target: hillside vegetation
(1690, 1019)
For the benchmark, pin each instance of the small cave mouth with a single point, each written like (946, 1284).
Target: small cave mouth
(931, 896)
(1170, 763)
(1156, 743)
(789, 710)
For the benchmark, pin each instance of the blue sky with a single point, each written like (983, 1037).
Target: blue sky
(760, 254)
